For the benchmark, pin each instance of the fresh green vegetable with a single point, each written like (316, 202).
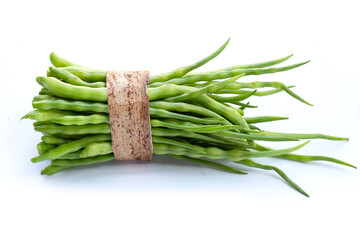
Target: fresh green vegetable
(193, 118)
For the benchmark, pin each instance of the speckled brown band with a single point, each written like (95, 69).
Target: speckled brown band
(129, 115)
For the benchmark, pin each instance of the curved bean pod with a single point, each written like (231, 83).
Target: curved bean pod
(195, 93)
(194, 128)
(81, 120)
(98, 148)
(79, 106)
(83, 161)
(58, 61)
(70, 91)
(208, 76)
(72, 78)
(179, 72)
(73, 146)
(171, 115)
(88, 75)
(54, 140)
(253, 164)
(183, 144)
(215, 165)
(53, 129)
(43, 147)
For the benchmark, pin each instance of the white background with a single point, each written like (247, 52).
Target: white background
(168, 199)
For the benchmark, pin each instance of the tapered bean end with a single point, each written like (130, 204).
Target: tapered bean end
(40, 80)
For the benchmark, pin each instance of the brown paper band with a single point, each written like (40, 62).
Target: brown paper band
(129, 115)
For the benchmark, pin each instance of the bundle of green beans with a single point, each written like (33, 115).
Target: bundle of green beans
(193, 117)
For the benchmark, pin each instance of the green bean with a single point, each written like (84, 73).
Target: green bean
(244, 105)
(73, 130)
(305, 158)
(79, 106)
(217, 153)
(192, 128)
(43, 147)
(98, 148)
(171, 115)
(179, 72)
(163, 132)
(66, 90)
(208, 76)
(58, 61)
(232, 98)
(83, 161)
(215, 165)
(41, 115)
(81, 120)
(54, 140)
(303, 135)
(70, 147)
(88, 75)
(280, 85)
(52, 169)
(253, 164)
(257, 93)
(187, 108)
(43, 97)
(261, 119)
(259, 65)
(169, 90)
(253, 136)
(45, 91)
(195, 93)
(173, 142)
(72, 78)
(72, 155)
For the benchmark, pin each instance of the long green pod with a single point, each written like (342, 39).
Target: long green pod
(54, 129)
(72, 78)
(70, 147)
(44, 97)
(58, 61)
(173, 142)
(70, 91)
(217, 153)
(81, 120)
(88, 75)
(52, 169)
(305, 158)
(98, 148)
(253, 136)
(215, 165)
(83, 161)
(179, 72)
(79, 106)
(195, 93)
(187, 108)
(193, 128)
(43, 147)
(261, 119)
(48, 115)
(208, 76)
(257, 93)
(259, 64)
(171, 115)
(253, 164)
(164, 132)
(232, 98)
(304, 136)
(258, 84)
(54, 140)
